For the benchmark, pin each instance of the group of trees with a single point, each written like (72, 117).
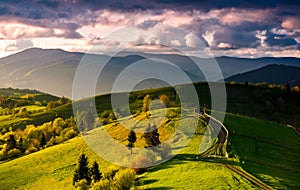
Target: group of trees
(84, 172)
(86, 177)
(34, 138)
(53, 104)
(151, 137)
(151, 134)
(164, 102)
(12, 102)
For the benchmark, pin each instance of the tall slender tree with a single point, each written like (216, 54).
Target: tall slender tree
(82, 171)
(43, 140)
(155, 135)
(131, 140)
(95, 172)
(11, 142)
(146, 104)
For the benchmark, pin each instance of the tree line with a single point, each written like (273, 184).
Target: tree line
(33, 138)
(86, 177)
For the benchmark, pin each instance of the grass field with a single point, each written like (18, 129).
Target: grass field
(51, 168)
(267, 151)
(241, 100)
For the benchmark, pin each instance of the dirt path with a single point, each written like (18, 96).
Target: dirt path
(248, 177)
(222, 139)
(217, 127)
(294, 129)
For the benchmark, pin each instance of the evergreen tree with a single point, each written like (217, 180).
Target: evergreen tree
(20, 145)
(131, 140)
(82, 171)
(155, 135)
(95, 172)
(43, 140)
(287, 88)
(147, 136)
(11, 142)
(151, 136)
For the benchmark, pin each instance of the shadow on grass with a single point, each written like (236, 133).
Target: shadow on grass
(218, 161)
(159, 188)
(178, 159)
(149, 181)
(181, 159)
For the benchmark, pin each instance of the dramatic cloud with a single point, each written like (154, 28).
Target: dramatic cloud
(242, 28)
(291, 23)
(280, 40)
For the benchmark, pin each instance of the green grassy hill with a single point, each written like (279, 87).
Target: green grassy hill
(265, 150)
(260, 101)
(13, 100)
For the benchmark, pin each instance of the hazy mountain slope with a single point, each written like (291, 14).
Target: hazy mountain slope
(273, 74)
(229, 65)
(53, 70)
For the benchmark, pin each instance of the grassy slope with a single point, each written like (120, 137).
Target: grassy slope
(268, 151)
(18, 122)
(240, 100)
(53, 167)
(184, 171)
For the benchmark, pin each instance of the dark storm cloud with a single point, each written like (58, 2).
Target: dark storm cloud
(4, 10)
(59, 14)
(253, 26)
(279, 40)
(237, 39)
(185, 4)
(81, 5)
(49, 3)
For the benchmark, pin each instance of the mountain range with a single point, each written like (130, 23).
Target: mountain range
(273, 74)
(53, 70)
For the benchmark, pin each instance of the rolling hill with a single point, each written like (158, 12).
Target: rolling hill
(33, 68)
(272, 74)
(262, 149)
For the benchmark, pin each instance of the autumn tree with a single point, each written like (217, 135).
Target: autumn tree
(164, 99)
(146, 104)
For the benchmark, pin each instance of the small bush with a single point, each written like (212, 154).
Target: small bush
(14, 153)
(124, 179)
(111, 172)
(31, 150)
(103, 184)
(82, 185)
(70, 134)
(3, 155)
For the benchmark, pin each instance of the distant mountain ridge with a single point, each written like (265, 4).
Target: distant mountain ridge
(272, 74)
(53, 70)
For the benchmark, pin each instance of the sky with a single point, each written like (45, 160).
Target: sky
(227, 28)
